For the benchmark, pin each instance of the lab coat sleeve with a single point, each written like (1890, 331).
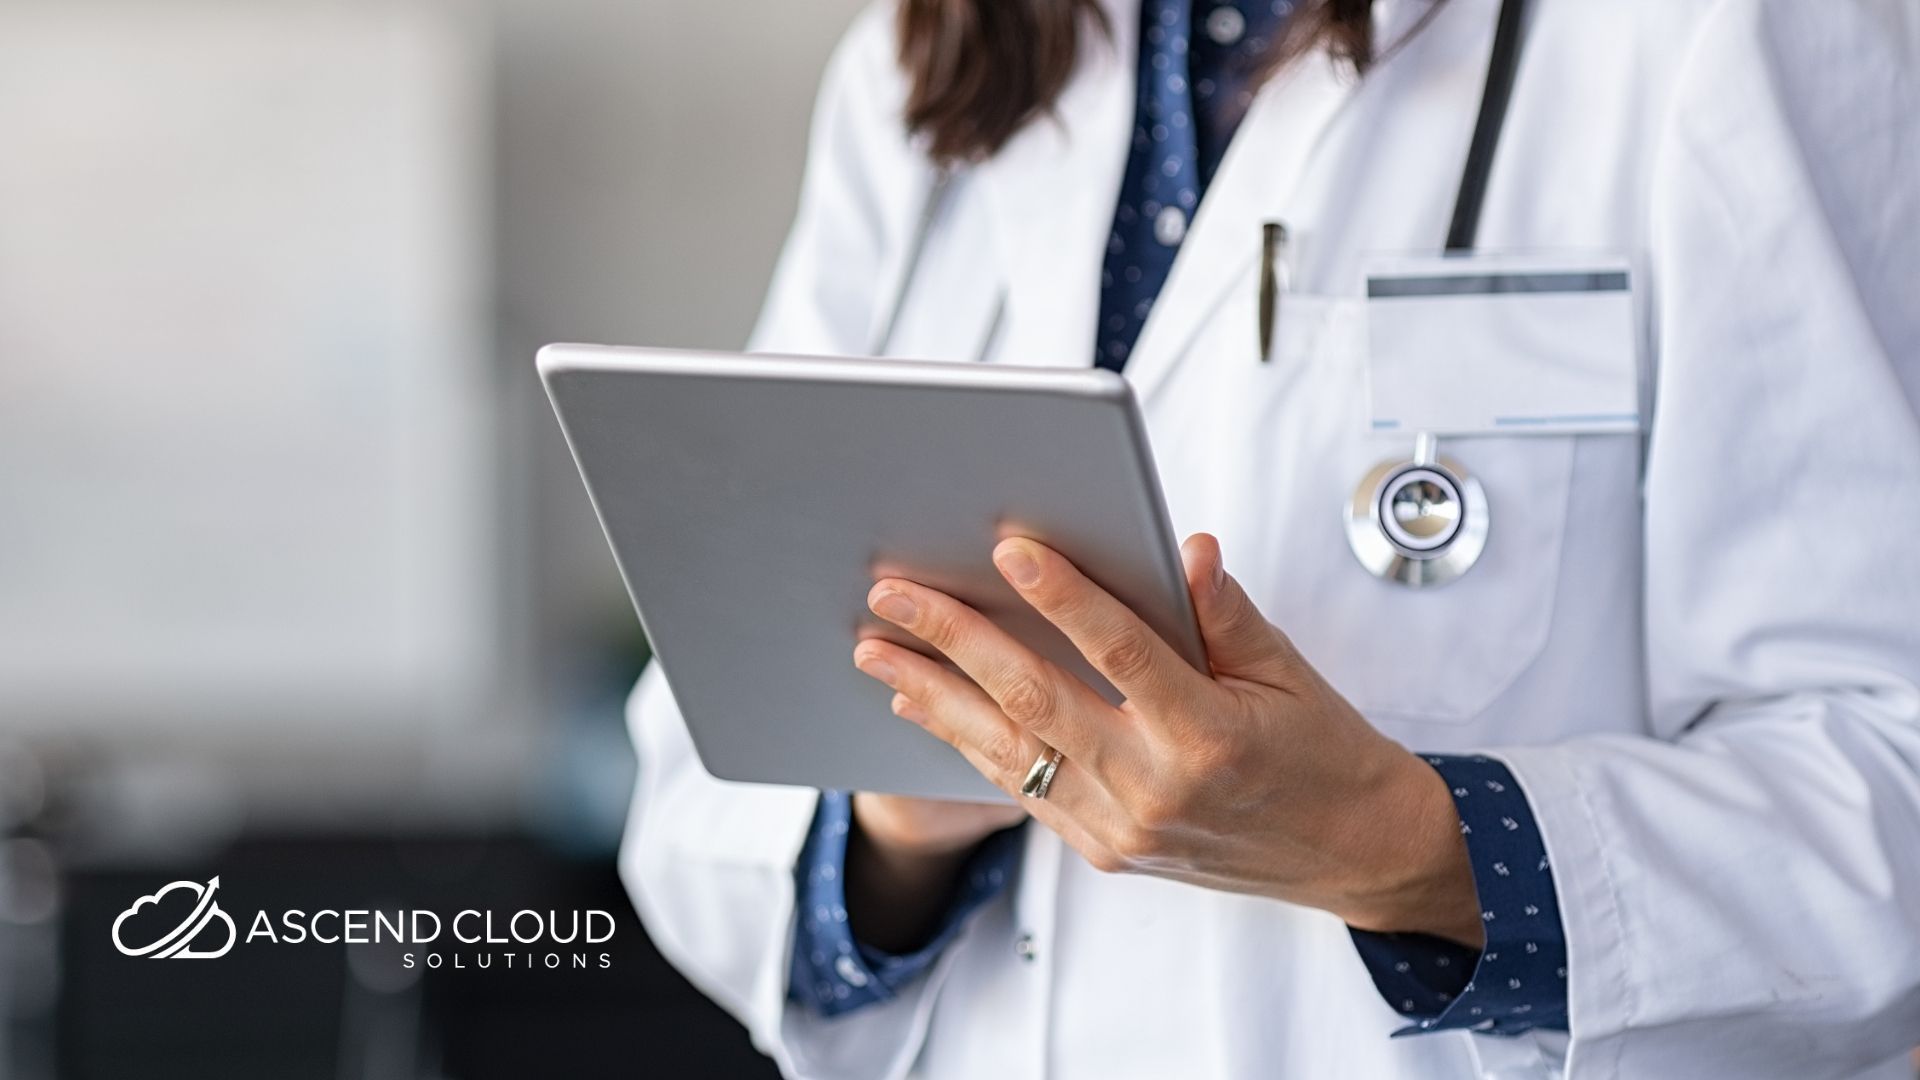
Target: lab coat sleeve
(710, 863)
(1741, 891)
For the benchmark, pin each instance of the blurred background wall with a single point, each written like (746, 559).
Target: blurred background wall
(291, 552)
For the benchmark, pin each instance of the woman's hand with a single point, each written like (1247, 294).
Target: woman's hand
(904, 854)
(929, 828)
(1256, 777)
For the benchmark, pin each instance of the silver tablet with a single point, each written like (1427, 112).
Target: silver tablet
(752, 501)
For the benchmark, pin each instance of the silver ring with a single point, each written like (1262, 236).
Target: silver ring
(1040, 776)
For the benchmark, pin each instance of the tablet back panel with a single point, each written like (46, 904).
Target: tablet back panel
(751, 502)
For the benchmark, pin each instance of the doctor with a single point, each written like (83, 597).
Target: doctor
(1592, 748)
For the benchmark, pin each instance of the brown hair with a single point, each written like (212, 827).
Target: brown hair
(979, 70)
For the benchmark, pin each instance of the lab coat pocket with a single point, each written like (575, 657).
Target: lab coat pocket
(1267, 455)
(1447, 653)
(1441, 652)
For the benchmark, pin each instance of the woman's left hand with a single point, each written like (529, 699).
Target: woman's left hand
(1256, 777)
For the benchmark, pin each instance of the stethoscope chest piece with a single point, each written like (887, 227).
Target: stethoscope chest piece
(1421, 522)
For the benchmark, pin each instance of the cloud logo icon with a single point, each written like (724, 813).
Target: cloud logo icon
(162, 936)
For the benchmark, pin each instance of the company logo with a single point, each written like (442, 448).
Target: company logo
(177, 923)
(156, 927)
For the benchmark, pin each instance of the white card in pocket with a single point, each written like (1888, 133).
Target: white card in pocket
(1502, 344)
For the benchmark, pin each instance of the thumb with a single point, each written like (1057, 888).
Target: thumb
(1239, 640)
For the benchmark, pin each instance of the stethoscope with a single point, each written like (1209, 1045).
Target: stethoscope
(1423, 521)
(1418, 521)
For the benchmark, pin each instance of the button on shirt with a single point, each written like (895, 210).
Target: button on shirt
(1197, 66)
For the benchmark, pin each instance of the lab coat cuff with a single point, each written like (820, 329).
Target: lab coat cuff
(1600, 996)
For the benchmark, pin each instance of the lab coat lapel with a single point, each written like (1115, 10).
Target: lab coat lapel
(1262, 178)
(1051, 194)
(1263, 167)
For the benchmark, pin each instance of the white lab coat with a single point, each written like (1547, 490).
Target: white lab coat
(1700, 656)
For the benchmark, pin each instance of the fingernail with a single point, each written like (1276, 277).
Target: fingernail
(877, 668)
(1219, 574)
(893, 607)
(1018, 566)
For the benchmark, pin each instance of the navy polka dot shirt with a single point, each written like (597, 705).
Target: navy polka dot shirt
(1518, 981)
(1197, 66)
(832, 970)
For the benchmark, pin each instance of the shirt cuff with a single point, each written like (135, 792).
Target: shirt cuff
(1518, 981)
(837, 974)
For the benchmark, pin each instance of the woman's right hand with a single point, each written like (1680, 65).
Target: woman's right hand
(903, 856)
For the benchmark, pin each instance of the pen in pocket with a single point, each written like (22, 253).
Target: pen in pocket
(1273, 282)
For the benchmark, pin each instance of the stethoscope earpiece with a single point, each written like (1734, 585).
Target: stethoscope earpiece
(1418, 522)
